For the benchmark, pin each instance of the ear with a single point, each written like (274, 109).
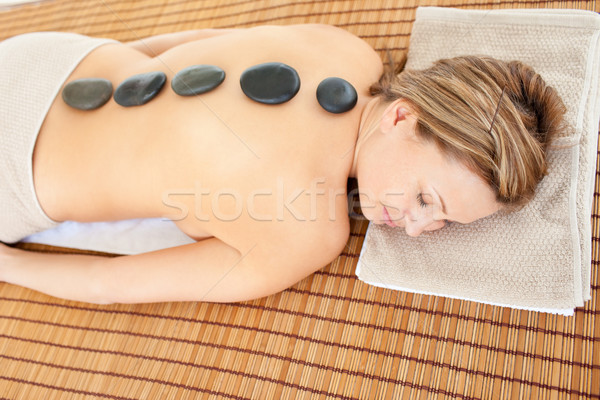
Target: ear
(396, 112)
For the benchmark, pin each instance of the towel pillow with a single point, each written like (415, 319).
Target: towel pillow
(538, 258)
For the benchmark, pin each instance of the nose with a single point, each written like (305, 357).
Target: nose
(415, 228)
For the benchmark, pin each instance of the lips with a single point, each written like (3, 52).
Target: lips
(387, 219)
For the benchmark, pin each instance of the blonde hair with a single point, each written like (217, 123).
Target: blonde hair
(496, 117)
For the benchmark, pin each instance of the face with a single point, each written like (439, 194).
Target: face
(408, 183)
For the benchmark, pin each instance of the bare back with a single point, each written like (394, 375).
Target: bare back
(197, 160)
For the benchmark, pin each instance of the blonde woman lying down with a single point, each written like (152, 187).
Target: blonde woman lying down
(255, 167)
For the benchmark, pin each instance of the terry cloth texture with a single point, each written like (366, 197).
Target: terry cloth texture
(33, 68)
(540, 257)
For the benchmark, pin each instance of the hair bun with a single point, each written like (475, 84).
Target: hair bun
(539, 105)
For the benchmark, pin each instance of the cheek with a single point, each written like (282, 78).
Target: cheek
(472, 202)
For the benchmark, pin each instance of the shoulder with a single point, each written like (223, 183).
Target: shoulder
(305, 29)
(318, 35)
(304, 233)
(282, 255)
(335, 37)
(340, 49)
(307, 246)
(287, 254)
(324, 30)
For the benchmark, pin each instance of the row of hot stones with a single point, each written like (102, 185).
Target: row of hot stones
(268, 83)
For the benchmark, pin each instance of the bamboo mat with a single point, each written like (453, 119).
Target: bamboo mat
(330, 336)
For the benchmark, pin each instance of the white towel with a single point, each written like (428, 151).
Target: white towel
(120, 237)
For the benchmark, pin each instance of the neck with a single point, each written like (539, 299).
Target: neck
(369, 122)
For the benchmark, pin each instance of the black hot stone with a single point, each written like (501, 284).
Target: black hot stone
(87, 93)
(270, 83)
(197, 79)
(336, 95)
(140, 89)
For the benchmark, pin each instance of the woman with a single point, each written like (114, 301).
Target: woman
(263, 188)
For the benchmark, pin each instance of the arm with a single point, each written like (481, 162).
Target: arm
(156, 45)
(209, 270)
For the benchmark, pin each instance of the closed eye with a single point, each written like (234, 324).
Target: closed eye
(421, 201)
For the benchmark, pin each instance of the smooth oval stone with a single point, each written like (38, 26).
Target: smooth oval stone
(87, 93)
(336, 95)
(140, 89)
(270, 83)
(197, 79)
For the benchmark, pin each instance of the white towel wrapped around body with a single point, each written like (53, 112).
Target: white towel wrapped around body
(538, 258)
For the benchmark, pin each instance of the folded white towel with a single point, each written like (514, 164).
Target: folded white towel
(540, 257)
